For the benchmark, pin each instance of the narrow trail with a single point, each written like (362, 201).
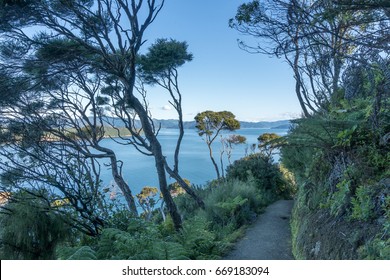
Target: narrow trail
(269, 238)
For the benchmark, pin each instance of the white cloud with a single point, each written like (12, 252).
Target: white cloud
(166, 108)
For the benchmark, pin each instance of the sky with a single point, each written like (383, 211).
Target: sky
(221, 76)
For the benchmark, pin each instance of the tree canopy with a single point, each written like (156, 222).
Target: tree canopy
(79, 57)
(209, 124)
(318, 39)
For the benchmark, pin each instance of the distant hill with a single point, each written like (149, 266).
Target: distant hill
(191, 124)
(272, 125)
(171, 123)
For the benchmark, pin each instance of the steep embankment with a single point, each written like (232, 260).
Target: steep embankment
(341, 166)
(269, 238)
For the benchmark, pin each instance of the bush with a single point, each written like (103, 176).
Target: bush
(340, 162)
(363, 204)
(187, 206)
(234, 202)
(76, 253)
(30, 229)
(265, 174)
(377, 249)
(198, 240)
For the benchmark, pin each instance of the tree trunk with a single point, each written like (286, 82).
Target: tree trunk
(175, 172)
(222, 168)
(184, 185)
(123, 186)
(158, 156)
(298, 85)
(171, 206)
(213, 160)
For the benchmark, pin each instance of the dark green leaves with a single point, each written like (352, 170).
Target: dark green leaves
(163, 57)
(246, 13)
(209, 122)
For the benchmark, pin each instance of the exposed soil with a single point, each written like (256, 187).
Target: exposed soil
(269, 238)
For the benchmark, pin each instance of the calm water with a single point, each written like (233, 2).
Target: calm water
(195, 164)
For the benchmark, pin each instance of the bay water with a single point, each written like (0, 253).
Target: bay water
(194, 165)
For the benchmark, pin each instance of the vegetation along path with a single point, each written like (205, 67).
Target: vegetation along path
(270, 236)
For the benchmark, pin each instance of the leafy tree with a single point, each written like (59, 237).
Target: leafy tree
(30, 228)
(160, 66)
(102, 36)
(228, 143)
(313, 37)
(58, 113)
(65, 177)
(268, 143)
(146, 199)
(176, 189)
(210, 124)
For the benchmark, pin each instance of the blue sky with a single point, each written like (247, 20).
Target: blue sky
(221, 76)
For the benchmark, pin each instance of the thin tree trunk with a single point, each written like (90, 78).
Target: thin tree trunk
(184, 185)
(213, 160)
(159, 159)
(298, 85)
(175, 172)
(123, 186)
(222, 168)
(171, 206)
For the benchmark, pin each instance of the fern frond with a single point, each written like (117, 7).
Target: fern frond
(168, 251)
(76, 253)
(83, 253)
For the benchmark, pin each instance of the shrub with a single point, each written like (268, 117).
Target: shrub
(234, 202)
(30, 229)
(377, 249)
(76, 253)
(199, 241)
(363, 204)
(187, 206)
(340, 200)
(266, 175)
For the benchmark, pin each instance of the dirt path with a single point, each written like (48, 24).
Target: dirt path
(269, 238)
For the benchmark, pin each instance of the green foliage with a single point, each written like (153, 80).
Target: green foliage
(162, 250)
(210, 123)
(206, 234)
(188, 206)
(362, 204)
(199, 241)
(290, 185)
(377, 249)
(176, 190)
(337, 158)
(345, 137)
(246, 13)
(266, 175)
(234, 203)
(141, 241)
(236, 139)
(76, 253)
(268, 142)
(167, 228)
(147, 199)
(118, 244)
(119, 218)
(163, 57)
(30, 228)
(341, 198)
